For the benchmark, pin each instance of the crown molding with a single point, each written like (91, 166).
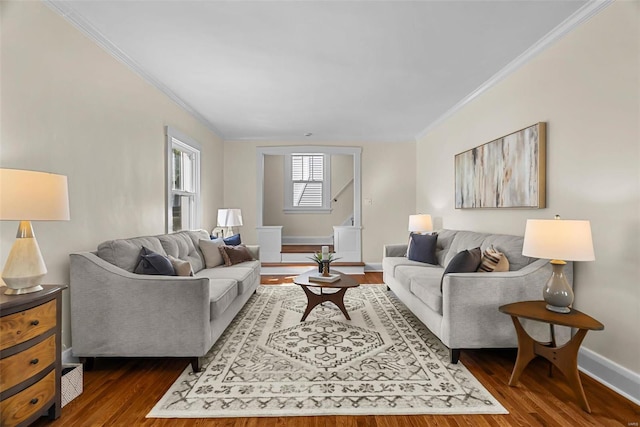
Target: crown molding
(580, 16)
(65, 10)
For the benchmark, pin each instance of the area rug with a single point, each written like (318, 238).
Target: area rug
(269, 363)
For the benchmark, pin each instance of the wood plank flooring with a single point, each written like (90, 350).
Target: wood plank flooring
(120, 392)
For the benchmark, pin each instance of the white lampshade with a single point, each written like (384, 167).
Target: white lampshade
(33, 196)
(229, 218)
(420, 223)
(558, 239)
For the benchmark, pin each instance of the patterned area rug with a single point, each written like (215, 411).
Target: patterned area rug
(268, 363)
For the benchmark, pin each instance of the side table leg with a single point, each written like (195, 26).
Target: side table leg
(525, 351)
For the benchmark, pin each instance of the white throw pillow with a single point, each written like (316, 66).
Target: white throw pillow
(210, 250)
(182, 268)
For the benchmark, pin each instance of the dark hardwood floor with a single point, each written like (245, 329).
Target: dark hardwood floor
(120, 392)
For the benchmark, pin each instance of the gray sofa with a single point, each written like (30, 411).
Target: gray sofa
(117, 313)
(464, 315)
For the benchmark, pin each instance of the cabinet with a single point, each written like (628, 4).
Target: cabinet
(30, 356)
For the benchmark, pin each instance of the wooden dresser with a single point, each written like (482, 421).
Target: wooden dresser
(30, 356)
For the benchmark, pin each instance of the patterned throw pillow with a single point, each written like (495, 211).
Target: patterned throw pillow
(182, 268)
(493, 261)
(234, 254)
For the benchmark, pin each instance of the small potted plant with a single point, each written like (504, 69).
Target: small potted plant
(320, 260)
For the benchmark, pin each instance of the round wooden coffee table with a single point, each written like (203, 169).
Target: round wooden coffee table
(313, 299)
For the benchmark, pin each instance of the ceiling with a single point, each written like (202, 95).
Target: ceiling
(340, 70)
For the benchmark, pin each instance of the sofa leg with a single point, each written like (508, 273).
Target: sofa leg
(454, 355)
(196, 364)
(87, 363)
(388, 288)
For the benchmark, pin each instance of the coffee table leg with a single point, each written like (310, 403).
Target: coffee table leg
(312, 300)
(338, 299)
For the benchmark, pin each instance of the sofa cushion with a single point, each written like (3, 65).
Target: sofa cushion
(245, 274)
(222, 292)
(211, 252)
(182, 268)
(493, 261)
(233, 255)
(390, 264)
(180, 245)
(154, 263)
(511, 247)
(427, 289)
(405, 274)
(233, 240)
(422, 248)
(466, 261)
(464, 240)
(125, 253)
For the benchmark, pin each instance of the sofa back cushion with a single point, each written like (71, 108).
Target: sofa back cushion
(445, 238)
(125, 253)
(510, 246)
(181, 245)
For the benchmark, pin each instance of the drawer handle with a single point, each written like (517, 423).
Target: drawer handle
(34, 401)
(35, 322)
(35, 361)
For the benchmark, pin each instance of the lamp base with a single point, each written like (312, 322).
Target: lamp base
(557, 292)
(563, 310)
(21, 291)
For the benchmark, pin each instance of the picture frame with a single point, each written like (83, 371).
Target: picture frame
(508, 172)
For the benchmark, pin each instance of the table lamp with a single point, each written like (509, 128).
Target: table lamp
(558, 240)
(229, 218)
(420, 223)
(27, 196)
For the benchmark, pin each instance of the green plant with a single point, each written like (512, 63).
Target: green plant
(317, 257)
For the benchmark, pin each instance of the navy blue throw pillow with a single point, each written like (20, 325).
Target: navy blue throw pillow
(466, 261)
(422, 248)
(232, 240)
(154, 263)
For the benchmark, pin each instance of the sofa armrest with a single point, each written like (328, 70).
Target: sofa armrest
(118, 313)
(470, 301)
(254, 250)
(396, 250)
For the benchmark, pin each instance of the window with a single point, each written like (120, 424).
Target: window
(183, 182)
(307, 182)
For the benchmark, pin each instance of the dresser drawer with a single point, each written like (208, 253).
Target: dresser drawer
(19, 407)
(21, 366)
(20, 327)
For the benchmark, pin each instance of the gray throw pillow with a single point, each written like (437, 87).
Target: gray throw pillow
(210, 250)
(422, 248)
(154, 263)
(466, 261)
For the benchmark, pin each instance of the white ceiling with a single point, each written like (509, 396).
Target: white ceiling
(342, 70)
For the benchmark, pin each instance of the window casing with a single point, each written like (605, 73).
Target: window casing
(307, 183)
(183, 182)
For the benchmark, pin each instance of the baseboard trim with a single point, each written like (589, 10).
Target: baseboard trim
(373, 267)
(618, 378)
(68, 357)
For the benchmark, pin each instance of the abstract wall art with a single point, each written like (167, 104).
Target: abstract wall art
(508, 172)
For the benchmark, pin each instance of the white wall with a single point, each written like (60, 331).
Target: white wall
(388, 179)
(307, 224)
(586, 87)
(69, 107)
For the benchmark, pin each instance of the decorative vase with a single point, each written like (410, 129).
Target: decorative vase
(325, 268)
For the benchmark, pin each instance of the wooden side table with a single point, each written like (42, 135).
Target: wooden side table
(30, 350)
(565, 357)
